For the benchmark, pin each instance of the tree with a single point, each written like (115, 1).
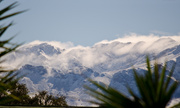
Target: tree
(21, 91)
(44, 99)
(40, 99)
(7, 76)
(154, 87)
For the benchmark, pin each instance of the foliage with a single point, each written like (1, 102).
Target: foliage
(154, 87)
(21, 91)
(44, 99)
(40, 99)
(7, 76)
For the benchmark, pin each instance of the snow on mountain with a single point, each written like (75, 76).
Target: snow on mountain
(41, 49)
(61, 68)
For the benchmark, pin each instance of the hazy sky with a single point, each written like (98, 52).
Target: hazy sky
(85, 22)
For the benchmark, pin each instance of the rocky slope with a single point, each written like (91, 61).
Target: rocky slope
(64, 70)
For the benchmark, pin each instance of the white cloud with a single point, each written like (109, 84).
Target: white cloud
(101, 52)
(160, 32)
(56, 44)
(134, 38)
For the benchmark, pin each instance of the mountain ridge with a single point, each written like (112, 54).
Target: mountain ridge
(65, 69)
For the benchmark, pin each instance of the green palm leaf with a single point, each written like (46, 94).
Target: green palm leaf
(8, 78)
(154, 87)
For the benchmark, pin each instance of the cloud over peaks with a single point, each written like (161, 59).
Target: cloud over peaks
(122, 51)
(135, 38)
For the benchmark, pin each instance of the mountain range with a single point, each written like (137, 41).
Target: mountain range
(63, 69)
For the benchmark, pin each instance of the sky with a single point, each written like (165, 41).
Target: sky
(86, 22)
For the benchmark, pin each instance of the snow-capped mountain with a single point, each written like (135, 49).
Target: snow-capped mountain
(63, 68)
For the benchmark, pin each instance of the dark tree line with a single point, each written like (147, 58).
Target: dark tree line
(40, 99)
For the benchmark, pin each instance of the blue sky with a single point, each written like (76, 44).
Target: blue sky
(86, 22)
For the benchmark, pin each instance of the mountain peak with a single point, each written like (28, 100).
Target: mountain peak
(51, 68)
(38, 49)
(162, 44)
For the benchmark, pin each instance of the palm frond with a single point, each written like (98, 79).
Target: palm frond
(8, 77)
(7, 9)
(154, 87)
